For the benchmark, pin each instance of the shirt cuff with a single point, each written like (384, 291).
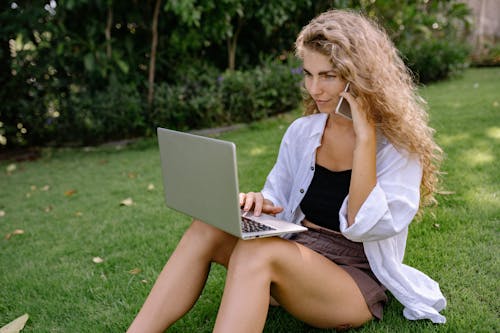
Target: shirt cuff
(371, 212)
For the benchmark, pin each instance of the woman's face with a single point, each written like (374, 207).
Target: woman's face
(321, 80)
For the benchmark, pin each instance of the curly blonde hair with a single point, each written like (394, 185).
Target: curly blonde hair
(362, 53)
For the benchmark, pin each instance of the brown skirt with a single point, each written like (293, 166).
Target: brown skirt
(351, 257)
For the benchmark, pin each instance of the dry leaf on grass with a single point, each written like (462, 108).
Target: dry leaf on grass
(69, 193)
(445, 192)
(2, 213)
(135, 271)
(98, 260)
(16, 325)
(45, 188)
(151, 187)
(11, 168)
(127, 202)
(15, 232)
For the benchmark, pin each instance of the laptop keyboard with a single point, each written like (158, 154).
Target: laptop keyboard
(248, 225)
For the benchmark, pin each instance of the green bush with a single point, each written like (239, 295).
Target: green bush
(115, 113)
(431, 35)
(238, 92)
(436, 59)
(191, 102)
(184, 106)
(489, 55)
(201, 98)
(278, 86)
(209, 99)
(86, 118)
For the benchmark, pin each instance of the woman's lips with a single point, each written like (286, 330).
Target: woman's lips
(321, 102)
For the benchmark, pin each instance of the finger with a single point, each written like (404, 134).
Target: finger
(249, 201)
(259, 201)
(350, 98)
(271, 209)
(242, 199)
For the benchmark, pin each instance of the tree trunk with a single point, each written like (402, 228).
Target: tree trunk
(232, 42)
(107, 32)
(152, 60)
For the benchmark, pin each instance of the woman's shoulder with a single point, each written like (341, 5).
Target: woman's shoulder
(389, 153)
(310, 124)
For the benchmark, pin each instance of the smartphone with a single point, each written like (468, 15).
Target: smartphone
(343, 107)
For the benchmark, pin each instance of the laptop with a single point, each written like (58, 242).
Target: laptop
(200, 179)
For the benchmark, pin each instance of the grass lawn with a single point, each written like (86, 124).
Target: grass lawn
(68, 205)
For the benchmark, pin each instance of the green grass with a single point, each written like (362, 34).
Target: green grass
(48, 271)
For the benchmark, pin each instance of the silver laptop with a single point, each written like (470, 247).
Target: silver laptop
(200, 179)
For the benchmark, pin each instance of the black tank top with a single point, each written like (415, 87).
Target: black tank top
(324, 197)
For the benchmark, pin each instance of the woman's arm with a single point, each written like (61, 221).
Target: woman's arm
(364, 174)
(393, 202)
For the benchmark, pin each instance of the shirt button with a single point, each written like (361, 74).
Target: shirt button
(301, 190)
(312, 168)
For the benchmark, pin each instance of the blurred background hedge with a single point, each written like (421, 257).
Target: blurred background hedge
(79, 72)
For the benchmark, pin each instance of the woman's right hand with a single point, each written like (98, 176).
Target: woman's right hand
(364, 129)
(255, 201)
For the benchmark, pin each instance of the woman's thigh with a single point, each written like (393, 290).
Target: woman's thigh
(313, 288)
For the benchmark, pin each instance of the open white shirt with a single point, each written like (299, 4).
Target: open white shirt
(382, 221)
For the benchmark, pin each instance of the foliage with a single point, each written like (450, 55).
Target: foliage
(432, 37)
(238, 94)
(277, 86)
(488, 56)
(205, 98)
(90, 118)
(436, 59)
(430, 34)
(57, 57)
(193, 102)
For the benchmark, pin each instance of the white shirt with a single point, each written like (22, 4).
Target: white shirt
(382, 221)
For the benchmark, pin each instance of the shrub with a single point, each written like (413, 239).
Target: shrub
(238, 92)
(209, 99)
(201, 98)
(489, 55)
(435, 59)
(89, 118)
(184, 106)
(278, 86)
(431, 35)
(191, 102)
(115, 113)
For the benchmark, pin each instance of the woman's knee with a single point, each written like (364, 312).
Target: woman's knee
(216, 242)
(254, 255)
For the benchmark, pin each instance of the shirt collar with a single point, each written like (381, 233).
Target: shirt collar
(319, 124)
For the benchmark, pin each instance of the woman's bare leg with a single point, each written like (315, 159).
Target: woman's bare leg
(306, 284)
(183, 277)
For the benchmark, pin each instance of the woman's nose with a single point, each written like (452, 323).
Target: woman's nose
(314, 87)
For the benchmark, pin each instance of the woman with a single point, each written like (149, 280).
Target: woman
(356, 184)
